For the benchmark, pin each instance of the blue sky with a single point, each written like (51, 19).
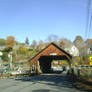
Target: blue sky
(36, 19)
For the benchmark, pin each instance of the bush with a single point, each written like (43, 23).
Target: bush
(5, 56)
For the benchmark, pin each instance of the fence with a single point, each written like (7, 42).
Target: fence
(82, 74)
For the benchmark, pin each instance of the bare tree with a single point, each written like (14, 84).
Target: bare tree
(78, 41)
(52, 38)
(64, 42)
(34, 44)
(40, 45)
(81, 45)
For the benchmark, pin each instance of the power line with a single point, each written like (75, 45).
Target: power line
(87, 23)
(90, 24)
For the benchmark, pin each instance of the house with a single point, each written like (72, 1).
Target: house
(73, 50)
(89, 46)
(89, 51)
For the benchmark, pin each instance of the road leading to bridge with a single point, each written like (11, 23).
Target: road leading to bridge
(41, 83)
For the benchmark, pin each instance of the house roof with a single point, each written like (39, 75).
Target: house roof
(89, 40)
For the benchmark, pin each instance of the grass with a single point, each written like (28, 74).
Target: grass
(85, 79)
(83, 85)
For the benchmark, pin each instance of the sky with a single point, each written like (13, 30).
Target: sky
(37, 19)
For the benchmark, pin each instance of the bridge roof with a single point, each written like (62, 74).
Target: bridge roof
(52, 48)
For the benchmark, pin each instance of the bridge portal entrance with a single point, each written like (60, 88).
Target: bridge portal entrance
(46, 62)
(42, 61)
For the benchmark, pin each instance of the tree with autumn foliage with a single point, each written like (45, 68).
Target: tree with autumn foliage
(10, 42)
(2, 42)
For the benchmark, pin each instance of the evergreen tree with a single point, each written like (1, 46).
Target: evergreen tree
(27, 41)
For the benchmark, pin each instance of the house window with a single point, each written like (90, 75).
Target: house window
(90, 49)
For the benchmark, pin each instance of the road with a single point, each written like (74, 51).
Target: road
(41, 83)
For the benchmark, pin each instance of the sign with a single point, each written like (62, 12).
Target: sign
(90, 58)
(53, 54)
(1, 53)
(90, 63)
(9, 55)
(55, 62)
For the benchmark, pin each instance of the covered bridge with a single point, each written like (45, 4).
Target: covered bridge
(41, 62)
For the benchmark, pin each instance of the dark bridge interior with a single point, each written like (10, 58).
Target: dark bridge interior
(45, 62)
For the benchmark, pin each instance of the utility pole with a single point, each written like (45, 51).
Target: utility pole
(10, 57)
(87, 20)
(88, 23)
(0, 58)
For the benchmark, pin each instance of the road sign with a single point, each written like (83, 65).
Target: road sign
(90, 58)
(90, 63)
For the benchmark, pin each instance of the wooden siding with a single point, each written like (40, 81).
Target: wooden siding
(51, 48)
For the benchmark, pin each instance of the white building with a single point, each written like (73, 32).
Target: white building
(73, 50)
(89, 51)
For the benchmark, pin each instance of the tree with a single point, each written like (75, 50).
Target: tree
(40, 45)
(10, 42)
(34, 44)
(2, 42)
(5, 56)
(81, 45)
(27, 41)
(78, 41)
(64, 43)
(52, 38)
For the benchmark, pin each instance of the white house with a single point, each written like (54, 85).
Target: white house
(89, 51)
(73, 50)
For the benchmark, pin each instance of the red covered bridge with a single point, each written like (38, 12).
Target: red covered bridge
(42, 61)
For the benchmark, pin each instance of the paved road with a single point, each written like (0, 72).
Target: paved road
(42, 83)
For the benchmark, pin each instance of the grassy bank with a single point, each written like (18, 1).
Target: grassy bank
(84, 80)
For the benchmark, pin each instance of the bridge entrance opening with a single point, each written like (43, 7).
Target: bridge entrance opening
(47, 63)
(42, 61)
